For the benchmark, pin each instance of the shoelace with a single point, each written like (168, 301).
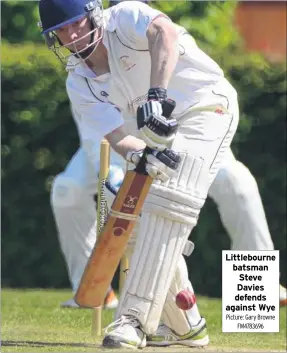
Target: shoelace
(120, 322)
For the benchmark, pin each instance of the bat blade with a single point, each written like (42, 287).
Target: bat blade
(113, 240)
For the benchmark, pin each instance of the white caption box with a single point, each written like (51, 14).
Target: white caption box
(250, 291)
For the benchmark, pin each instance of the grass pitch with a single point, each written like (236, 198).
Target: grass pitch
(32, 321)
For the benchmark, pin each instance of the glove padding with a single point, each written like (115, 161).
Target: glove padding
(159, 165)
(157, 131)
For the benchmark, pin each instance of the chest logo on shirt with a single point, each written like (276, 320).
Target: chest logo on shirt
(104, 94)
(126, 63)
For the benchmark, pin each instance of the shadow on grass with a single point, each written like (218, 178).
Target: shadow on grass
(43, 344)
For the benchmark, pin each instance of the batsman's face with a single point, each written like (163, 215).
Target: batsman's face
(75, 36)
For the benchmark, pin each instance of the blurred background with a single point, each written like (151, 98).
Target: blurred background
(248, 40)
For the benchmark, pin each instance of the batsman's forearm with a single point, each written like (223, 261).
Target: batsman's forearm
(163, 46)
(129, 144)
(123, 143)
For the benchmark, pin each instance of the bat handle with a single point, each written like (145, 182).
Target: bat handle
(140, 168)
(167, 108)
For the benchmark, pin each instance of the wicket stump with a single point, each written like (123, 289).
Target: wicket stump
(102, 214)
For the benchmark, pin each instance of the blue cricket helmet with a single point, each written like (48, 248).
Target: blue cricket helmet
(55, 14)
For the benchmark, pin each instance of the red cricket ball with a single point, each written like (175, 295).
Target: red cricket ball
(185, 299)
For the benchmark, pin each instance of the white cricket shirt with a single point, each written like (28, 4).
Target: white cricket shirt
(106, 102)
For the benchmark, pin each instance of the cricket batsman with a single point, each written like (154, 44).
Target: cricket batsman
(122, 65)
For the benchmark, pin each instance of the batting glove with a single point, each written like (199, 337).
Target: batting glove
(160, 165)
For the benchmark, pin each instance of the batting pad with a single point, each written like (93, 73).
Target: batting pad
(169, 214)
(172, 316)
(160, 243)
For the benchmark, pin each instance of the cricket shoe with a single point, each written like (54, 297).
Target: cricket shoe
(283, 296)
(196, 337)
(111, 302)
(124, 332)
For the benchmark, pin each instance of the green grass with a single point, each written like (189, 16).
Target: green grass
(32, 321)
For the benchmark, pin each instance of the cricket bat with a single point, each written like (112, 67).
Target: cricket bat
(111, 243)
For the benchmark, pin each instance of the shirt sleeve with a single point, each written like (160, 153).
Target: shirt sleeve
(95, 120)
(131, 21)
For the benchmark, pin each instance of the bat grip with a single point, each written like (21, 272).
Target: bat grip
(140, 168)
(167, 108)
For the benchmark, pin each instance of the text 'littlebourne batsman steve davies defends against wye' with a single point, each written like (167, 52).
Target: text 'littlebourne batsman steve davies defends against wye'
(250, 291)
